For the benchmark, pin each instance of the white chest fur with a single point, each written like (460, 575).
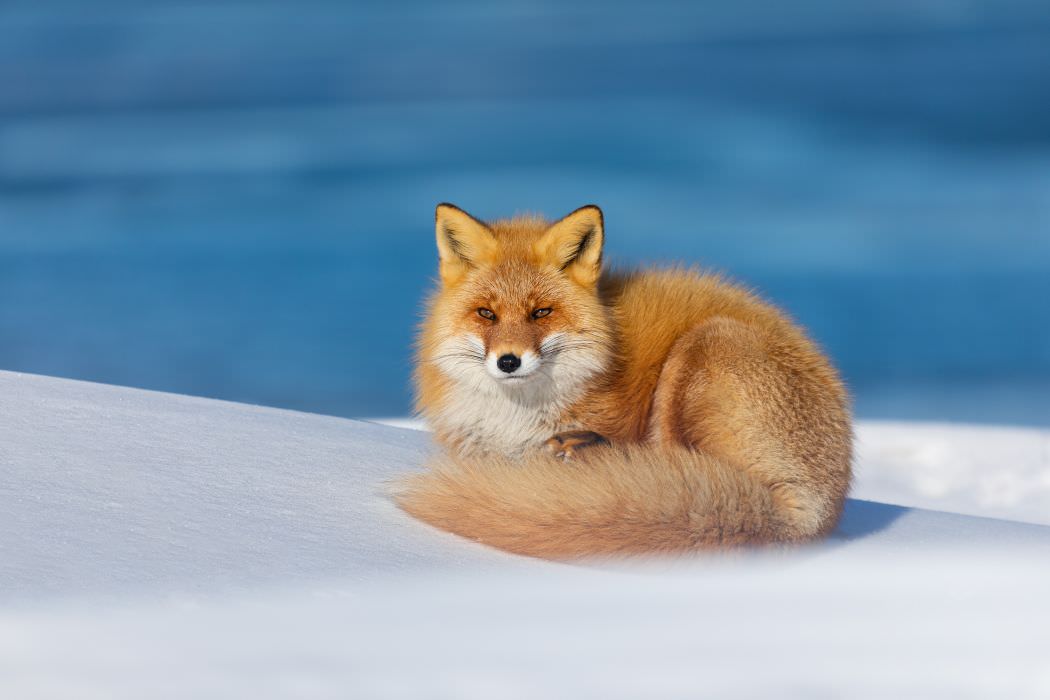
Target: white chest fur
(505, 422)
(481, 414)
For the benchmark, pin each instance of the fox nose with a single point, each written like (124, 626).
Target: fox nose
(508, 363)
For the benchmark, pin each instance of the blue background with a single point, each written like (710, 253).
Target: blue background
(236, 199)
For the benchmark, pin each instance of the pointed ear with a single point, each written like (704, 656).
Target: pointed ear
(574, 245)
(463, 242)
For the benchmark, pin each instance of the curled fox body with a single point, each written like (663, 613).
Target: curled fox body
(593, 413)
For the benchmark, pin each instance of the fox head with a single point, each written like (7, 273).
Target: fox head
(518, 309)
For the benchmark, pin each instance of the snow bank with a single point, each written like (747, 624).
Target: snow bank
(980, 470)
(166, 546)
(990, 471)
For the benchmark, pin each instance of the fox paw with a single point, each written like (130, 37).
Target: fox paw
(566, 445)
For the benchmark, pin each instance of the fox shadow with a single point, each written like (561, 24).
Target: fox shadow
(865, 518)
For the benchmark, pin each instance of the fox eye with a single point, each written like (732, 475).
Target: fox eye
(486, 313)
(540, 313)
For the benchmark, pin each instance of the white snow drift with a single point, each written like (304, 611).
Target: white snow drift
(166, 546)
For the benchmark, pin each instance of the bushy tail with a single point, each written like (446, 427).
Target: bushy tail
(609, 501)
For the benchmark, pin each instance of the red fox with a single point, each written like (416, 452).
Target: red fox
(594, 413)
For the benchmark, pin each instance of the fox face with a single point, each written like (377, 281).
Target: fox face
(517, 329)
(515, 320)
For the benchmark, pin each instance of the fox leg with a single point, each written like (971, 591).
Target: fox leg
(773, 409)
(566, 444)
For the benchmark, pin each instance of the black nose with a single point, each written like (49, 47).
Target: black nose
(508, 363)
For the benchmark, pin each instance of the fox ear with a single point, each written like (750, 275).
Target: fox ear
(463, 242)
(574, 245)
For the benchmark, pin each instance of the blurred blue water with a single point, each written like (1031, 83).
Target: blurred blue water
(236, 199)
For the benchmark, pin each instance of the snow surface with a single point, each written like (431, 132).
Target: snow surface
(159, 546)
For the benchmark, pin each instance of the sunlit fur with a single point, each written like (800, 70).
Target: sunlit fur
(472, 406)
(727, 425)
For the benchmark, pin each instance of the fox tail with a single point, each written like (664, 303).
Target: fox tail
(615, 500)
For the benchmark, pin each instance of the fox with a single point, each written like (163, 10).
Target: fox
(591, 412)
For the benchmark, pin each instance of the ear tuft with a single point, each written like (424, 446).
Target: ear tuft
(574, 245)
(463, 242)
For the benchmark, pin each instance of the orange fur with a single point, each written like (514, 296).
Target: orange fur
(727, 425)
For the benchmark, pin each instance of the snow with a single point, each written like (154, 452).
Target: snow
(980, 470)
(990, 471)
(160, 546)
